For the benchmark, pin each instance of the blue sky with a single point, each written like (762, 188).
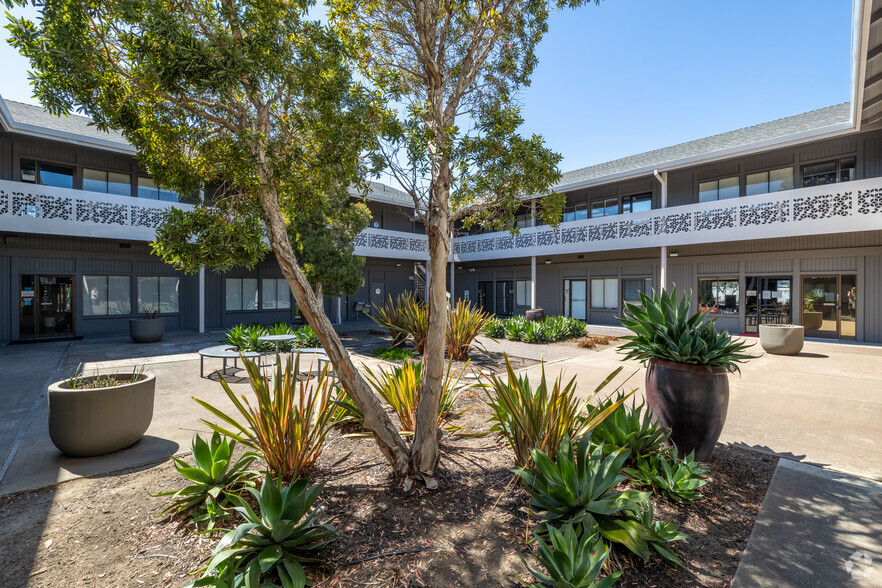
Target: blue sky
(629, 76)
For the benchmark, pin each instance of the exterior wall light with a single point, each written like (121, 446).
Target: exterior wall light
(674, 254)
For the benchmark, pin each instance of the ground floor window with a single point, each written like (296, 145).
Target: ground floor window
(605, 293)
(276, 294)
(575, 299)
(719, 295)
(632, 288)
(107, 295)
(159, 294)
(524, 293)
(241, 293)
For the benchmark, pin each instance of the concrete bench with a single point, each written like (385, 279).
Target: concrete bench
(225, 352)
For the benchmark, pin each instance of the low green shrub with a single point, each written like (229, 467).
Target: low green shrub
(247, 337)
(215, 478)
(575, 328)
(393, 353)
(573, 559)
(306, 337)
(580, 488)
(674, 478)
(534, 332)
(269, 548)
(514, 328)
(495, 329)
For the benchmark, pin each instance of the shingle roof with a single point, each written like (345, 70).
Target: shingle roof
(389, 193)
(782, 127)
(74, 124)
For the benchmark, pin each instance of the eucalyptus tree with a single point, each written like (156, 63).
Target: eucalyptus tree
(248, 98)
(454, 69)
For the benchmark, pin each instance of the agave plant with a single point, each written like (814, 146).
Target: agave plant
(288, 423)
(514, 328)
(269, 548)
(530, 419)
(400, 389)
(573, 559)
(389, 316)
(629, 428)
(283, 329)
(214, 479)
(580, 488)
(675, 479)
(306, 337)
(664, 329)
(464, 322)
(494, 329)
(556, 328)
(247, 338)
(534, 332)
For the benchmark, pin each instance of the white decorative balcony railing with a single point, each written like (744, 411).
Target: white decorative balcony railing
(30, 208)
(837, 208)
(392, 244)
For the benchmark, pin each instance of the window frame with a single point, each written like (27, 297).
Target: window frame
(645, 279)
(159, 279)
(106, 173)
(262, 294)
(630, 198)
(718, 179)
(768, 172)
(722, 278)
(616, 296)
(257, 303)
(837, 160)
(528, 293)
(87, 296)
(159, 191)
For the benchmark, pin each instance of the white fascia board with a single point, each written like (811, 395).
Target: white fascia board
(860, 34)
(6, 119)
(710, 157)
(71, 138)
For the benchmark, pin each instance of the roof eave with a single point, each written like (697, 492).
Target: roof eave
(825, 132)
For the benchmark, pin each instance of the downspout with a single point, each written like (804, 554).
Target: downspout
(663, 267)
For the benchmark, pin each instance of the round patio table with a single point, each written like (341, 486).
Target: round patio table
(278, 340)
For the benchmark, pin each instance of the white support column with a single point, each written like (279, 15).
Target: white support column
(339, 310)
(533, 283)
(663, 269)
(202, 300)
(452, 267)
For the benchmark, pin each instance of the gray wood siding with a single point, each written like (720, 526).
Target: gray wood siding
(872, 307)
(8, 298)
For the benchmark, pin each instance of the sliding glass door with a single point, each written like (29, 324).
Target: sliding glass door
(829, 307)
(576, 298)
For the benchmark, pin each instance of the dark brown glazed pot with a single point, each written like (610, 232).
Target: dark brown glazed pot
(691, 401)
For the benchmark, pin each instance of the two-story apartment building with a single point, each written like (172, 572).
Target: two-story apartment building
(779, 222)
(77, 215)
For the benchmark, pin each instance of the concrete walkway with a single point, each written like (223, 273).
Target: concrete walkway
(816, 528)
(821, 407)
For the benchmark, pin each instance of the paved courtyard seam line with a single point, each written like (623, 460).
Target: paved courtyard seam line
(27, 424)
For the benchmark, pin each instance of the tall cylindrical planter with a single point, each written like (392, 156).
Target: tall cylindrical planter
(691, 401)
(147, 330)
(83, 423)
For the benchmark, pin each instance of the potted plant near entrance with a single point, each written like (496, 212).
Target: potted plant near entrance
(812, 319)
(687, 379)
(148, 329)
(93, 415)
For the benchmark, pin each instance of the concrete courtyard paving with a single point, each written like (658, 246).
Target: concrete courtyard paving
(823, 406)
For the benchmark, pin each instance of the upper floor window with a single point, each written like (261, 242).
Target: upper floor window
(575, 212)
(638, 203)
(829, 172)
(718, 189)
(605, 207)
(147, 189)
(96, 180)
(765, 182)
(47, 174)
(523, 220)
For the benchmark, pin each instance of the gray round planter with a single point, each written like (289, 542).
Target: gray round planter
(782, 339)
(83, 423)
(147, 330)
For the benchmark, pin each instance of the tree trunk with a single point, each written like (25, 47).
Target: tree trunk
(427, 436)
(375, 418)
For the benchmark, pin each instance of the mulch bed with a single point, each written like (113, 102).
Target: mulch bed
(103, 531)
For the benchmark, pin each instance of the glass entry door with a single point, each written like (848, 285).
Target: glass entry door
(576, 298)
(504, 297)
(767, 302)
(485, 296)
(45, 306)
(829, 306)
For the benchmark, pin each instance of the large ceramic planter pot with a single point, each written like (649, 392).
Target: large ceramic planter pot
(812, 320)
(536, 314)
(83, 423)
(148, 330)
(691, 401)
(782, 339)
